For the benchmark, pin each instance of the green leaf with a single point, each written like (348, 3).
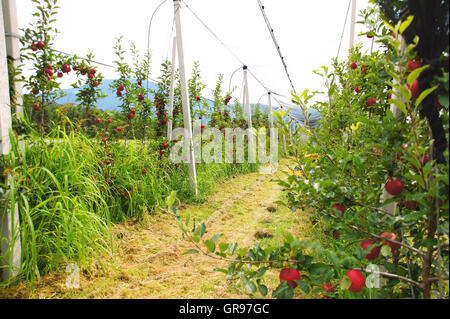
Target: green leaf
(400, 105)
(221, 270)
(414, 75)
(443, 99)
(405, 24)
(170, 200)
(345, 283)
(405, 92)
(303, 286)
(318, 269)
(424, 94)
(232, 249)
(210, 245)
(288, 237)
(216, 237)
(223, 247)
(283, 291)
(190, 251)
(386, 251)
(263, 290)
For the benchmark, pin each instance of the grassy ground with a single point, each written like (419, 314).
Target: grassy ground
(152, 263)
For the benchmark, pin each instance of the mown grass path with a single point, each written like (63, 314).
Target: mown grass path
(152, 262)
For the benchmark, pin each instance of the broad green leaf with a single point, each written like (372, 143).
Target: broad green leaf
(400, 105)
(424, 94)
(283, 291)
(232, 249)
(386, 251)
(263, 290)
(210, 245)
(345, 283)
(223, 247)
(405, 24)
(414, 75)
(303, 286)
(318, 269)
(190, 251)
(216, 237)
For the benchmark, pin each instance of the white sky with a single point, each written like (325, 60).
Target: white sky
(308, 33)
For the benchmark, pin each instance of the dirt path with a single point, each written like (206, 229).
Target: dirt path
(153, 265)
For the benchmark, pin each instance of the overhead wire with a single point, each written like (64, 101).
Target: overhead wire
(277, 46)
(343, 29)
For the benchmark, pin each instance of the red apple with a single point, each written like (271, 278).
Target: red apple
(374, 252)
(336, 234)
(328, 287)
(119, 129)
(95, 83)
(358, 281)
(414, 88)
(371, 102)
(339, 206)
(412, 65)
(144, 172)
(357, 89)
(97, 120)
(411, 204)
(391, 236)
(290, 275)
(353, 65)
(40, 45)
(394, 186)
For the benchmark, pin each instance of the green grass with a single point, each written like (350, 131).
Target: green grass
(68, 196)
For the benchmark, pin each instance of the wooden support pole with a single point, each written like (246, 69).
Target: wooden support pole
(352, 25)
(185, 98)
(9, 219)
(13, 48)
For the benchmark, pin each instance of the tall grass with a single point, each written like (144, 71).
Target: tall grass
(69, 197)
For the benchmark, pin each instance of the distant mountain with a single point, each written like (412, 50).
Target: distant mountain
(111, 102)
